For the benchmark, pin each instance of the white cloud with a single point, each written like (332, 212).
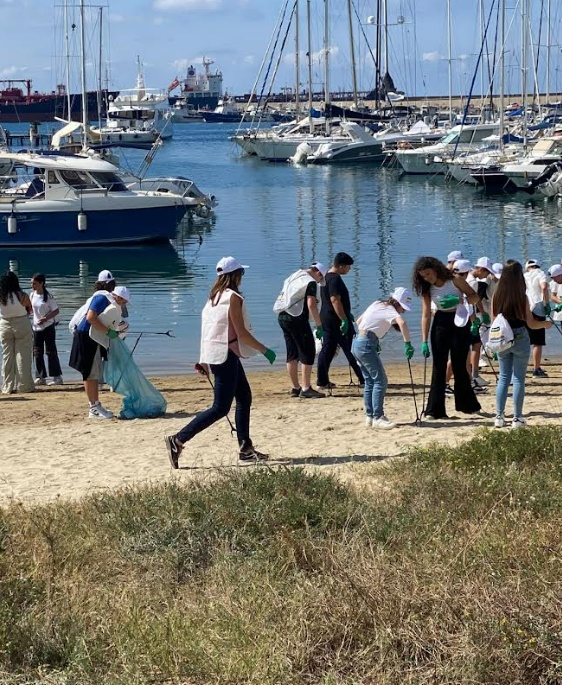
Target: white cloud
(249, 59)
(116, 18)
(431, 56)
(11, 71)
(172, 5)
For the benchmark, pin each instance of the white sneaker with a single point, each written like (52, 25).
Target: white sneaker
(499, 421)
(482, 362)
(55, 380)
(99, 412)
(518, 422)
(368, 421)
(40, 381)
(481, 382)
(382, 423)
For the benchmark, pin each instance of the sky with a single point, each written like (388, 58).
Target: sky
(168, 35)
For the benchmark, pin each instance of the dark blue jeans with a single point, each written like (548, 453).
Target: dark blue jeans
(230, 383)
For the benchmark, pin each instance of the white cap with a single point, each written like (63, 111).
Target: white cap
(454, 255)
(321, 268)
(532, 263)
(497, 269)
(555, 270)
(462, 266)
(404, 297)
(227, 265)
(105, 276)
(485, 263)
(122, 291)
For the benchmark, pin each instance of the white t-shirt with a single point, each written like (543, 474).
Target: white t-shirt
(378, 318)
(41, 309)
(533, 280)
(556, 289)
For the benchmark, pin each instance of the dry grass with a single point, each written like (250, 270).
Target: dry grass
(451, 575)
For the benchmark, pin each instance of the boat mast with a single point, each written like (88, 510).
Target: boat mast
(502, 74)
(67, 61)
(297, 60)
(327, 61)
(450, 50)
(309, 56)
(83, 69)
(524, 59)
(548, 39)
(99, 69)
(352, 52)
(378, 79)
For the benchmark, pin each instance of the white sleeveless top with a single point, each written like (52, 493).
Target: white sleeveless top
(292, 296)
(215, 327)
(12, 309)
(437, 292)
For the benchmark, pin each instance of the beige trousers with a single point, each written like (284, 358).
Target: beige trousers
(16, 339)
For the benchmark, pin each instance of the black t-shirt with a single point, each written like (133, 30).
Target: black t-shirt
(334, 286)
(304, 316)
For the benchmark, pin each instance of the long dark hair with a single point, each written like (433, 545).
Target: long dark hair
(40, 278)
(421, 286)
(510, 298)
(230, 281)
(9, 286)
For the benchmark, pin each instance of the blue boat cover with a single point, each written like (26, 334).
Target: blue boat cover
(141, 400)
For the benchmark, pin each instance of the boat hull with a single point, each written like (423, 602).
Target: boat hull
(126, 226)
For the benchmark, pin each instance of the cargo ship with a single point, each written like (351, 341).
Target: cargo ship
(198, 90)
(20, 103)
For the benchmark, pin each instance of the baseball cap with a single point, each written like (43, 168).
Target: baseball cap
(404, 297)
(321, 268)
(497, 269)
(454, 255)
(122, 291)
(533, 263)
(462, 266)
(105, 276)
(227, 265)
(555, 270)
(485, 263)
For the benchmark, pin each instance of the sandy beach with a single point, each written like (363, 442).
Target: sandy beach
(49, 449)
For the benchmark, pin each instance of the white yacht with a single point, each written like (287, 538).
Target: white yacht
(428, 159)
(544, 152)
(361, 146)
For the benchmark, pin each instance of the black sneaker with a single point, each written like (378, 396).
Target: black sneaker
(449, 390)
(251, 454)
(295, 392)
(311, 394)
(174, 450)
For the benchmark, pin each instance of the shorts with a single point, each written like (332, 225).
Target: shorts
(299, 340)
(86, 356)
(475, 339)
(538, 337)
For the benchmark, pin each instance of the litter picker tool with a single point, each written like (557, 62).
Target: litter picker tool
(201, 370)
(139, 333)
(424, 384)
(418, 421)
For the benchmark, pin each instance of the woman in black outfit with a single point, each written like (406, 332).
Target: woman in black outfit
(436, 284)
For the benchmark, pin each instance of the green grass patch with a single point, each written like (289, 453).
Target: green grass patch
(278, 577)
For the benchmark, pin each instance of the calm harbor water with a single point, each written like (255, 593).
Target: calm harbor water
(276, 218)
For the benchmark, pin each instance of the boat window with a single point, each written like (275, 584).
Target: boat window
(76, 179)
(450, 137)
(109, 181)
(52, 178)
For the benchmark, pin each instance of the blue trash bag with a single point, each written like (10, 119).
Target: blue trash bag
(141, 400)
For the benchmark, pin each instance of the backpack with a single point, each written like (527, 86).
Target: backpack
(291, 297)
(501, 335)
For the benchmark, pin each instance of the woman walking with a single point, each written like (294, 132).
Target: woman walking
(510, 299)
(45, 313)
(225, 339)
(374, 324)
(15, 336)
(450, 333)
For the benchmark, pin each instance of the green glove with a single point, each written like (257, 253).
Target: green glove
(547, 308)
(475, 327)
(558, 308)
(270, 355)
(425, 350)
(112, 334)
(351, 318)
(408, 350)
(344, 326)
(378, 348)
(449, 301)
(319, 332)
(485, 318)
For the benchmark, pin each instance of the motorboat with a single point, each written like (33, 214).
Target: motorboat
(185, 113)
(72, 200)
(361, 146)
(197, 202)
(428, 159)
(545, 151)
(225, 112)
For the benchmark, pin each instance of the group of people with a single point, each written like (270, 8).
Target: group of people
(459, 303)
(28, 331)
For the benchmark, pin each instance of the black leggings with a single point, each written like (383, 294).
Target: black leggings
(446, 338)
(44, 342)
